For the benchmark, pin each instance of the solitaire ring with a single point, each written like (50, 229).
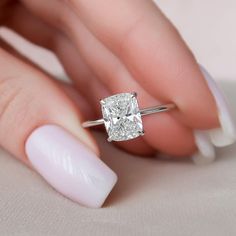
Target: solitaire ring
(123, 118)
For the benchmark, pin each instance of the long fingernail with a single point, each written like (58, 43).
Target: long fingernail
(69, 166)
(225, 135)
(206, 151)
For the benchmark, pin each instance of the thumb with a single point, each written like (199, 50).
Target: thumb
(40, 126)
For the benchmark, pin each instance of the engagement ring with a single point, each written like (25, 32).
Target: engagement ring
(123, 118)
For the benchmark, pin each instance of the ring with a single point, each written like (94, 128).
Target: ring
(122, 117)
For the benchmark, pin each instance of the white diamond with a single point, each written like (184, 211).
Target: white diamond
(122, 117)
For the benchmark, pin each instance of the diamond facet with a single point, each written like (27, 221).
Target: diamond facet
(122, 117)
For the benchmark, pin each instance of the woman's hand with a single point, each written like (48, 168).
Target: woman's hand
(106, 47)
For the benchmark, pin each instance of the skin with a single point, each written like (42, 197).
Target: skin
(106, 47)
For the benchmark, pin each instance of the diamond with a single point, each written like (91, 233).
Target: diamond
(122, 117)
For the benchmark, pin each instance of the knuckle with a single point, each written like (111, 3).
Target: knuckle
(71, 3)
(179, 71)
(129, 36)
(14, 106)
(61, 19)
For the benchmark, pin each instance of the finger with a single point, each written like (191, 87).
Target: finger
(154, 53)
(36, 31)
(116, 78)
(81, 74)
(114, 75)
(135, 146)
(67, 87)
(84, 79)
(40, 126)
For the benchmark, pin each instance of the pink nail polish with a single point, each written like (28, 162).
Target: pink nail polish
(206, 151)
(226, 134)
(69, 166)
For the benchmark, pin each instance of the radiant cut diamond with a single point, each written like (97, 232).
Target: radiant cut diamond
(122, 117)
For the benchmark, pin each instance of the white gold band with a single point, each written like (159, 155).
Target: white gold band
(143, 112)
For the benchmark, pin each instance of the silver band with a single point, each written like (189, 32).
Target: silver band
(143, 112)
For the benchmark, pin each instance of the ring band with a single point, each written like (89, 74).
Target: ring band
(143, 112)
(123, 118)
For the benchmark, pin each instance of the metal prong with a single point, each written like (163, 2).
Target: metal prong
(102, 102)
(141, 132)
(134, 94)
(109, 139)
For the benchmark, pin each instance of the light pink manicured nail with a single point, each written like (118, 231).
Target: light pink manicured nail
(206, 151)
(69, 166)
(226, 134)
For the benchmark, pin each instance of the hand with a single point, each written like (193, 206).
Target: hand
(106, 47)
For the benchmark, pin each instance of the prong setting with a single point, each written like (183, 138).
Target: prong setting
(142, 133)
(102, 102)
(122, 117)
(134, 94)
(109, 139)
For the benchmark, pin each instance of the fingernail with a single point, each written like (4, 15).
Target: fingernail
(225, 135)
(206, 151)
(69, 166)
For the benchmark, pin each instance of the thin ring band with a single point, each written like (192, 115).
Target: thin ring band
(143, 112)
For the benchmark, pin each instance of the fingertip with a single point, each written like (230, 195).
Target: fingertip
(69, 166)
